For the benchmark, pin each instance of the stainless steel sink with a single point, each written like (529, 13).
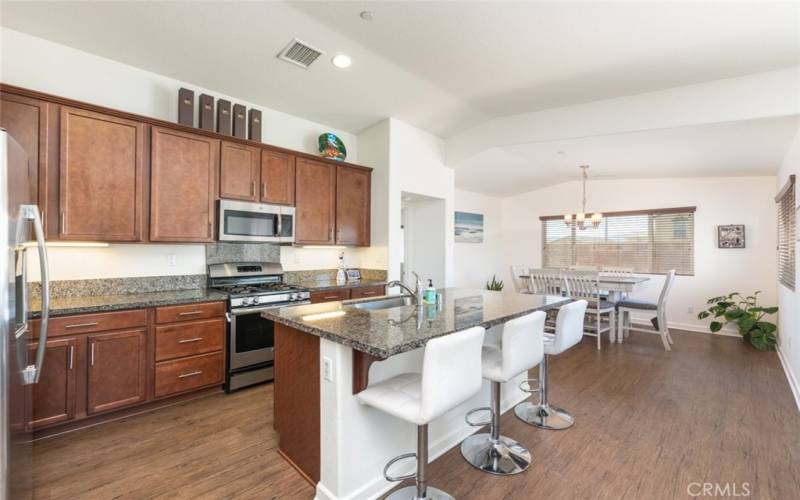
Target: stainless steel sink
(385, 303)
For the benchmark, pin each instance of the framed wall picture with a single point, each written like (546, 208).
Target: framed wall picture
(468, 228)
(731, 236)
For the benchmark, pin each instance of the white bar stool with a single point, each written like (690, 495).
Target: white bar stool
(522, 348)
(569, 331)
(450, 375)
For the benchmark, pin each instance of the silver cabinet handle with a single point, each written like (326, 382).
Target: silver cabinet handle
(190, 374)
(82, 325)
(71, 355)
(31, 373)
(280, 224)
(189, 313)
(186, 341)
(91, 354)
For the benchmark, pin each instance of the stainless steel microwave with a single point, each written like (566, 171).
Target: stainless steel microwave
(255, 222)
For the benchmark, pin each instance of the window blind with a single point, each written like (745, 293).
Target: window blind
(786, 234)
(648, 241)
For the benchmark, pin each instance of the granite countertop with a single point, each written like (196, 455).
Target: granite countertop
(63, 306)
(386, 332)
(320, 285)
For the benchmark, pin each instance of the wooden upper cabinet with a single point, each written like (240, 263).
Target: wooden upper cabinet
(277, 178)
(239, 171)
(101, 177)
(315, 199)
(26, 120)
(183, 186)
(117, 370)
(352, 205)
(54, 396)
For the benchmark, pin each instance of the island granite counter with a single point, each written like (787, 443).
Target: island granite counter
(324, 355)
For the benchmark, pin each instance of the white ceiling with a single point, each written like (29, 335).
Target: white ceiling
(744, 148)
(448, 66)
(441, 66)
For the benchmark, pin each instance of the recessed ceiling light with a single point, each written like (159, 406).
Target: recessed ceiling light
(341, 61)
(366, 15)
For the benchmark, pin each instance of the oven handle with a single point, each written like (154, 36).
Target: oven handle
(251, 310)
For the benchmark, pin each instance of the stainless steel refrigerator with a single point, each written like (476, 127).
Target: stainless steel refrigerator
(20, 222)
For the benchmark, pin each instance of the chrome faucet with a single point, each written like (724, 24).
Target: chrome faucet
(415, 294)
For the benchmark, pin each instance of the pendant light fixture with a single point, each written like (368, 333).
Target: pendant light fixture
(579, 220)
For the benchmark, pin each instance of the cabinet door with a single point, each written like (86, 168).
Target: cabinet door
(352, 205)
(239, 169)
(315, 199)
(277, 178)
(101, 168)
(183, 186)
(54, 395)
(117, 370)
(25, 120)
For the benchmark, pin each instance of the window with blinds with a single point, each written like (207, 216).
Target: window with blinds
(786, 234)
(649, 241)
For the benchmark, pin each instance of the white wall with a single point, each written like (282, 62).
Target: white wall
(424, 227)
(734, 200)
(38, 64)
(788, 300)
(416, 160)
(475, 263)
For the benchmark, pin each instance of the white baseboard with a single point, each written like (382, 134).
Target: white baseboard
(379, 486)
(793, 383)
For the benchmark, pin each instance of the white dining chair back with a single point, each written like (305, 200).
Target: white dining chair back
(668, 282)
(617, 272)
(547, 281)
(628, 306)
(586, 285)
(520, 283)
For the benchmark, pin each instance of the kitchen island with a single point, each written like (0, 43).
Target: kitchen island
(326, 353)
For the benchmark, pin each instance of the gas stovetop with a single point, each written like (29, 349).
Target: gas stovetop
(254, 284)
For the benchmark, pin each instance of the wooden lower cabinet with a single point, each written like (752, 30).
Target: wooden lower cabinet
(54, 396)
(363, 292)
(117, 370)
(96, 364)
(357, 292)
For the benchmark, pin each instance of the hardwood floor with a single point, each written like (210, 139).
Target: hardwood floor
(218, 447)
(648, 423)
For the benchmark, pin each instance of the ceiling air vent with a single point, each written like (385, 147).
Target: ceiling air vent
(300, 53)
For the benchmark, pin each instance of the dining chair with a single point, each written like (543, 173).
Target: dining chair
(626, 306)
(547, 281)
(521, 284)
(586, 285)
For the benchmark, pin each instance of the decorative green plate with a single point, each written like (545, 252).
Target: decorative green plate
(331, 146)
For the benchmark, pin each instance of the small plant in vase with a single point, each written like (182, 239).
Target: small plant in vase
(494, 285)
(748, 316)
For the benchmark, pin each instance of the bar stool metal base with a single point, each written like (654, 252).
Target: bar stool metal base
(410, 493)
(502, 457)
(544, 416)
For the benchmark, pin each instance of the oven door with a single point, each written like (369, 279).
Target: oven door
(243, 221)
(252, 340)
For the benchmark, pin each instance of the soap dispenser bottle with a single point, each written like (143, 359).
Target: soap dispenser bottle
(340, 275)
(430, 293)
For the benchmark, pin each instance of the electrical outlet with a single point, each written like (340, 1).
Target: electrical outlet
(171, 259)
(690, 310)
(327, 368)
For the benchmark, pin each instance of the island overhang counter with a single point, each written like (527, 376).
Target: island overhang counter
(324, 354)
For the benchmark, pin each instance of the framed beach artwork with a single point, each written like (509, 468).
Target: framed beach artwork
(730, 236)
(468, 228)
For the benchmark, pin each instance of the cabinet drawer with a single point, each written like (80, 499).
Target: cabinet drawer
(330, 295)
(189, 338)
(89, 323)
(187, 312)
(181, 375)
(367, 291)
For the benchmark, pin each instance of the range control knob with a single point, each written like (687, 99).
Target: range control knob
(256, 299)
(292, 296)
(246, 301)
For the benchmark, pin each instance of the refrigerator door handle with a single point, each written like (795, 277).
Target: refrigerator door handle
(32, 373)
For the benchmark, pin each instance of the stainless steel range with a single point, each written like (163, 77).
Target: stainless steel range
(252, 287)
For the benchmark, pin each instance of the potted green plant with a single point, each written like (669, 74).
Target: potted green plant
(748, 316)
(495, 285)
